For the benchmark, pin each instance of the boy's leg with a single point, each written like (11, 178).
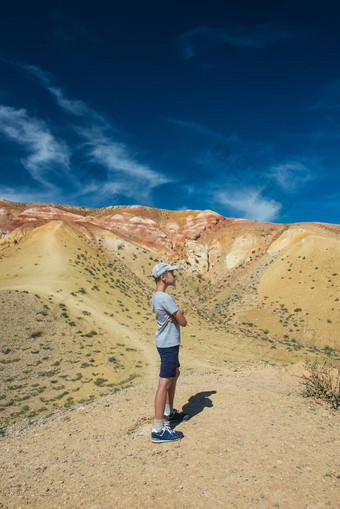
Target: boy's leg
(171, 394)
(170, 414)
(164, 385)
(163, 432)
(169, 373)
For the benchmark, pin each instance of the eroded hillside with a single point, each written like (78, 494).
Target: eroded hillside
(75, 292)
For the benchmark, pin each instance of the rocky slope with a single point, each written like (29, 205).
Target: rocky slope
(250, 268)
(75, 288)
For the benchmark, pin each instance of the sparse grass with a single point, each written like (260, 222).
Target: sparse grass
(322, 382)
(49, 373)
(36, 334)
(9, 361)
(90, 334)
(37, 412)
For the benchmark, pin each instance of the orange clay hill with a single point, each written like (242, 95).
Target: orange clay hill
(76, 286)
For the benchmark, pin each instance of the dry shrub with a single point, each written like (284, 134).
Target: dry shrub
(322, 382)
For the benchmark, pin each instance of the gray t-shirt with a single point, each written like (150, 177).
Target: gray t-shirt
(168, 333)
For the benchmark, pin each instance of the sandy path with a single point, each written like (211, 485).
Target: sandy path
(252, 441)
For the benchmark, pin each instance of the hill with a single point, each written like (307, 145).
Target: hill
(75, 292)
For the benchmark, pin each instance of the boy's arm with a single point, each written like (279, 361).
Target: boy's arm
(179, 317)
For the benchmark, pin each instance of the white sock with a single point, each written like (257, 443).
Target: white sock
(157, 425)
(168, 409)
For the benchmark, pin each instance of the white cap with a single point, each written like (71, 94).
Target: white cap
(160, 268)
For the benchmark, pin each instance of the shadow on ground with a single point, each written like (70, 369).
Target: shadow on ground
(197, 403)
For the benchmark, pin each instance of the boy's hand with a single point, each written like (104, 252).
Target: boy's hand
(179, 317)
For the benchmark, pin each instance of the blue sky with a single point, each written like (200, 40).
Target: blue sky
(232, 106)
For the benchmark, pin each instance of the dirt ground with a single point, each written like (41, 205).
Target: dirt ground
(252, 442)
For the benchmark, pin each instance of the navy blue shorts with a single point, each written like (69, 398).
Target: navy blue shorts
(169, 361)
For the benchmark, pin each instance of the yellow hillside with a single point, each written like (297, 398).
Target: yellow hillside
(299, 292)
(76, 320)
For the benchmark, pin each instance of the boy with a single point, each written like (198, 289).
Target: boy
(169, 319)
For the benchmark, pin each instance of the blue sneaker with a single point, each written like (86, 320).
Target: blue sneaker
(176, 417)
(166, 435)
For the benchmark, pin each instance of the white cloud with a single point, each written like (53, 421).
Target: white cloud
(73, 33)
(110, 190)
(201, 38)
(250, 203)
(34, 136)
(114, 156)
(24, 194)
(290, 175)
(125, 175)
(194, 126)
(97, 191)
(73, 106)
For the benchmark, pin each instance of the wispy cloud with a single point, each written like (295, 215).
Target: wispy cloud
(72, 106)
(25, 194)
(201, 38)
(291, 175)
(74, 33)
(240, 185)
(45, 151)
(189, 124)
(114, 156)
(225, 147)
(124, 173)
(249, 203)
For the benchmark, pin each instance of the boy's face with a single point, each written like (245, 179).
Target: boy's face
(170, 278)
